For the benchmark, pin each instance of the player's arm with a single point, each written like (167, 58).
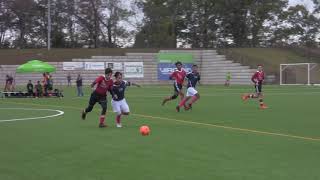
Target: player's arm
(172, 76)
(98, 80)
(185, 81)
(129, 83)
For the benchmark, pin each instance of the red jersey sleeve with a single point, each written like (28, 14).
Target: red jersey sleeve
(172, 76)
(99, 79)
(254, 77)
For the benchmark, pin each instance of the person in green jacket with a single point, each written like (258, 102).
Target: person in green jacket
(228, 79)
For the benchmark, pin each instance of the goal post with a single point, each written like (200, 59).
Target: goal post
(300, 74)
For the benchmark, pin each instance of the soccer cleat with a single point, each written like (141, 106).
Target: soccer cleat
(101, 125)
(178, 109)
(263, 106)
(119, 125)
(245, 97)
(83, 115)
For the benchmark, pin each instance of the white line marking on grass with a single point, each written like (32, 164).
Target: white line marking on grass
(244, 130)
(58, 113)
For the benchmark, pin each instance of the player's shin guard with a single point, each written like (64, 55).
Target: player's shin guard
(118, 119)
(194, 99)
(102, 119)
(183, 102)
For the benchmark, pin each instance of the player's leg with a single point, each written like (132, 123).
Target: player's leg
(103, 104)
(195, 97)
(124, 111)
(92, 102)
(191, 92)
(252, 95)
(117, 109)
(260, 96)
(174, 96)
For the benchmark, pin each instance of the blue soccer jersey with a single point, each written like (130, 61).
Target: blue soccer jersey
(119, 89)
(193, 78)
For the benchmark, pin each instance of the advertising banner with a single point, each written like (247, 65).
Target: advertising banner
(167, 62)
(133, 70)
(70, 66)
(94, 65)
(115, 66)
(165, 69)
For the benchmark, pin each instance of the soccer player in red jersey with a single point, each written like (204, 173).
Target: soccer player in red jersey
(178, 76)
(102, 85)
(257, 79)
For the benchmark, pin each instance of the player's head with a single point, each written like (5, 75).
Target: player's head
(178, 65)
(29, 81)
(108, 73)
(260, 67)
(194, 68)
(118, 76)
(38, 82)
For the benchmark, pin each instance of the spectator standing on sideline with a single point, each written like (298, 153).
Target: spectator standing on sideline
(50, 83)
(45, 83)
(30, 88)
(228, 79)
(79, 85)
(9, 83)
(38, 89)
(69, 79)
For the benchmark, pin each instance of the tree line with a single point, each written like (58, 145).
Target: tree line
(164, 23)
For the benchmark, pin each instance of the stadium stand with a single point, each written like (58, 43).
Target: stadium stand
(213, 68)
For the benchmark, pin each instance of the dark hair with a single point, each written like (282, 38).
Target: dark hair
(108, 70)
(178, 63)
(194, 65)
(117, 74)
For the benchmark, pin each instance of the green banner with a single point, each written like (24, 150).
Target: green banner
(174, 57)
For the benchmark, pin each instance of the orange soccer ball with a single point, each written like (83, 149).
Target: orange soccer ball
(144, 130)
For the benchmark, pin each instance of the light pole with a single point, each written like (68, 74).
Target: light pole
(49, 26)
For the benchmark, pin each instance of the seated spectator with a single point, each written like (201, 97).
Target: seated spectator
(30, 88)
(39, 89)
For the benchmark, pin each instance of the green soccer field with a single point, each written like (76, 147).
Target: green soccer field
(221, 138)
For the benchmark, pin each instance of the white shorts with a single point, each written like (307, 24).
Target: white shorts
(191, 91)
(120, 106)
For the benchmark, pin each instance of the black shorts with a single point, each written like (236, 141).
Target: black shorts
(258, 88)
(177, 87)
(96, 98)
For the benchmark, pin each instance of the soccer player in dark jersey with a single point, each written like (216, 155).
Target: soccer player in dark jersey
(102, 85)
(257, 79)
(192, 78)
(178, 76)
(119, 103)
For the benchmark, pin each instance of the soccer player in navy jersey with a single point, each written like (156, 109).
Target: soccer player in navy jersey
(192, 78)
(257, 78)
(178, 76)
(119, 103)
(102, 85)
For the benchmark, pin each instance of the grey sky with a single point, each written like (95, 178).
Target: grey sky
(308, 3)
